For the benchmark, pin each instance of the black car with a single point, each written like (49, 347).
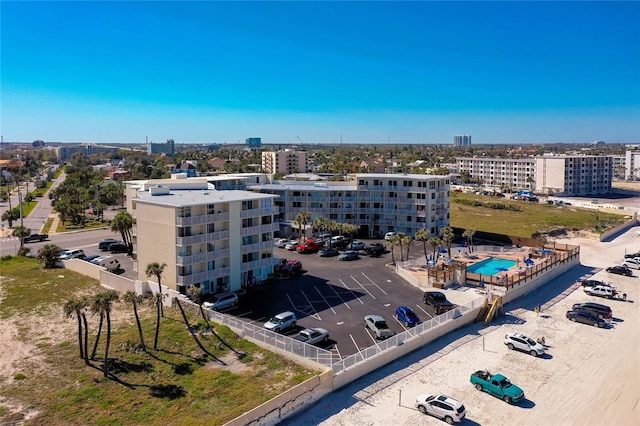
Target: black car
(586, 317)
(33, 238)
(118, 248)
(631, 255)
(601, 311)
(91, 258)
(106, 243)
(620, 270)
(438, 300)
(593, 283)
(374, 249)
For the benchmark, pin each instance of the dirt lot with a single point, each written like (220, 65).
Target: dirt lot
(590, 376)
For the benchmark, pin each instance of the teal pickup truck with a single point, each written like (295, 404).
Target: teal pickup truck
(497, 385)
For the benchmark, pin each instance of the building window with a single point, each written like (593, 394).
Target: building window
(210, 228)
(211, 209)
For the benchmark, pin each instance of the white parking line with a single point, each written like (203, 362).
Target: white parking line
(295, 308)
(336, 348)
(362, 287)
(315, 313)
(372, 282)
(325, 300)
(340, 297)
(422, 309)
(345, 286)
(399, 322)
(354, 343)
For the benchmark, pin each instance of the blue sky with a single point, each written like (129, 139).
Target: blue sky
(356, 72)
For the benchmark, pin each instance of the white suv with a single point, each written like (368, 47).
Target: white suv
(222, 300)
(631, 263)
(602, 291)
(281, 322)
(524, 343)
(441, 406)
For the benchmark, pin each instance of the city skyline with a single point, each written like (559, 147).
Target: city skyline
(321, 72)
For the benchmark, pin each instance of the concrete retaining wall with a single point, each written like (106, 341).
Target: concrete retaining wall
(607, 235)
(84, 268)
(288, 403)
(345, 377)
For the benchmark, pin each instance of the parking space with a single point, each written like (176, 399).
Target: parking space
(335, 295)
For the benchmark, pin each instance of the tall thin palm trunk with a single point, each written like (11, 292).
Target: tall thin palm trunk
(155, 340)
(95, 345)
(135, 312)
(81, 346)
(186, 321)
(106, 349)
(86, 339)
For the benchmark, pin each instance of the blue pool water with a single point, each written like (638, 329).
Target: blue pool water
(491, 266)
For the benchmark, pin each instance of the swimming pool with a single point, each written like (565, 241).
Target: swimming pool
(491, 266)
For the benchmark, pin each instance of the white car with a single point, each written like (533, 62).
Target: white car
(631, 263)
(291, 246)
(282, 242)
(389, 235)
(378, 326)
(441, 406)
(221, 300)
(72, 254)
(281, 322)
(524, 343)
(602, 291)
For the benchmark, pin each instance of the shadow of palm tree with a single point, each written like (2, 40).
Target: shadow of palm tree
(167, 391)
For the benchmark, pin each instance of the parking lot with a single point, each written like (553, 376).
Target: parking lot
(335, 295)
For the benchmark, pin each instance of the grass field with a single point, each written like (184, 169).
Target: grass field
(533, 217)
(176, 384)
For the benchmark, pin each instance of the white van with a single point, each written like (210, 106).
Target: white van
(110, 263)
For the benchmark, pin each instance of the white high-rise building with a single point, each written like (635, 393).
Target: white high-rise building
(462, 140)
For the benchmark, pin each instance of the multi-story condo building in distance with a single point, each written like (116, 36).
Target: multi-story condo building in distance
(377, 203)
(65, 152)
(462, 140)
(549, 174)
(504, 173)
(253, 143)
(573, 175)
(167, 148)
(217, 239)
(632, 164)
(285, 162)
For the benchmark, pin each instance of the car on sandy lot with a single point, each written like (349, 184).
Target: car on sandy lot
(442, 407)
(601, 311)
(349, 255)
(378, 325)
(593, 283)
(601, 291)
(281, 322)
(631, 255)
(620, 270)
(407, 316)
(221, 301)
(328, 252)
(586, 317)
(631, 263)
(524, 343)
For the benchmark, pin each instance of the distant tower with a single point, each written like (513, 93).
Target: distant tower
(254, 143)
(462, 140)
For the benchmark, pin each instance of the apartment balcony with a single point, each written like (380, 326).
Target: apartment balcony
(268, 211)
(260, 229)
(258, 264)
(255, 247)
(202, 219)
(201, 257)
(202, 238)
(199, 277)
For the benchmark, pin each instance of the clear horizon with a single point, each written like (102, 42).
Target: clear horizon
(320, 72)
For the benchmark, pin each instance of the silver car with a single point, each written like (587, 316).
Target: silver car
(222, 300)
(524, 343)
(378, 326)
(441, 406)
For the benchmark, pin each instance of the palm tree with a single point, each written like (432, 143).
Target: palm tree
(435, 242)
(468, 234)
(400, 240)
(393, 242)
(195, 293)
(157, 299)
(72, 308)
(155, 270)
(407, 242)
(135, 300)
(446, 233)
(423, 235)
(96, 307)
(186, 321)
(48, 255)
(123, 223)
(21, 232)
(319, 224)
(302, 219)
(108, 298)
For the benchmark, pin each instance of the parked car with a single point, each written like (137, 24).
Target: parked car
(328, 252)
(620, 270)
(442, 407)
(337, 239)
(631, 255)
(406, 315)
(374, 249)
(357, 245)
(586, 317)
(349, 255)
(118, 248)
(221, 301)
(313, 336)
(104, 245)
(438, 300)
(291, 246)
(378, 326)
(601, 291)
(34, 238)
(631, 263)
(601, 311)
(110, 263)
(497, 385)
(593, 283)
(524, 343)
(389, 235)
(281, 322)
(282, 242)
(324, 236)
(310, 246)
(72, 254)
(91, 258)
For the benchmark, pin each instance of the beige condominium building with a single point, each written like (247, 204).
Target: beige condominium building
(377, 203)
(217, 239)
(507, 174)
(285, 162)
